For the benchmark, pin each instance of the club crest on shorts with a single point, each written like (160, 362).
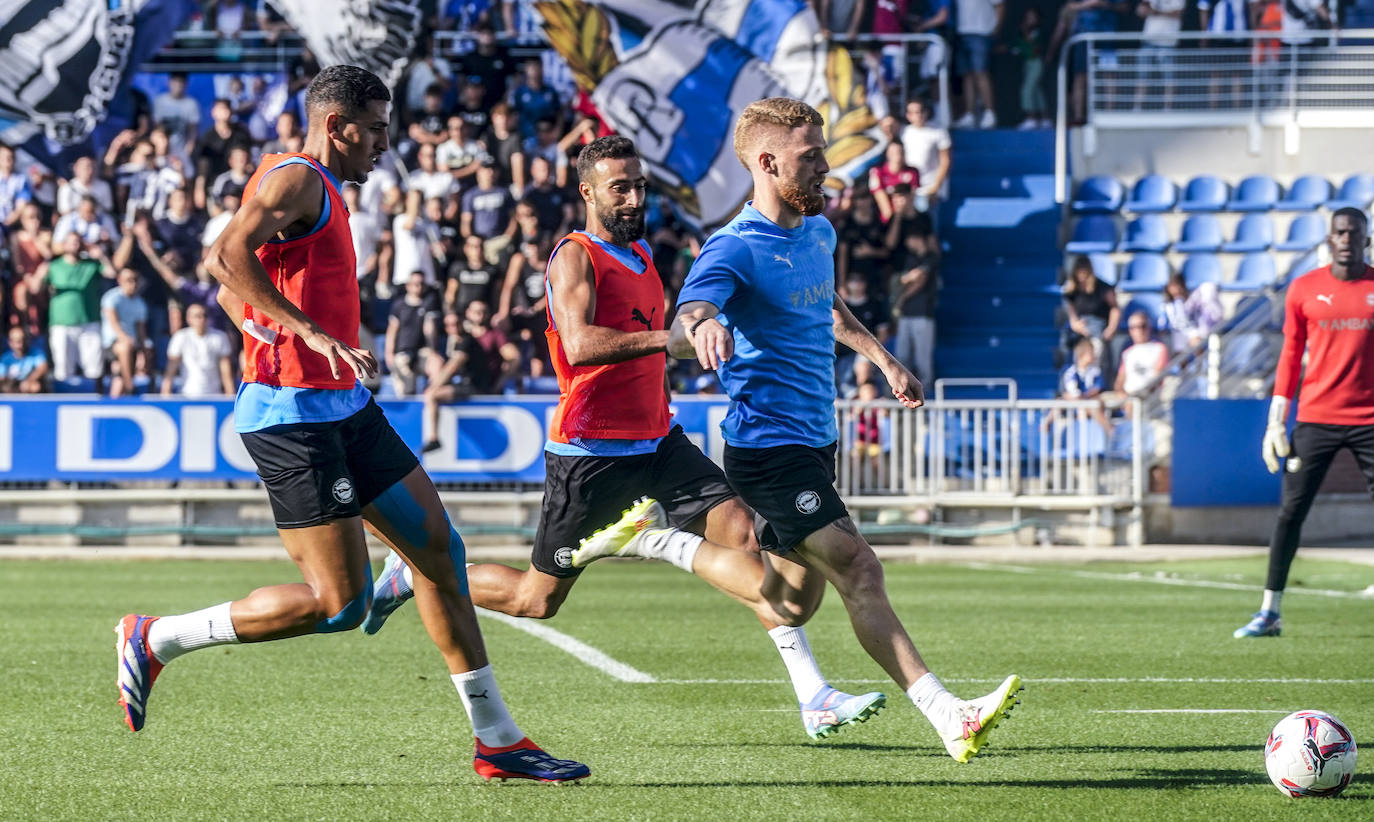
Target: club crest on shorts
(563, 557)
(808, 502)
(343, 490)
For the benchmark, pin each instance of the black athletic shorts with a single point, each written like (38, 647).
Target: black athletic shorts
(791, 489)
(584, 494)
(321, 471)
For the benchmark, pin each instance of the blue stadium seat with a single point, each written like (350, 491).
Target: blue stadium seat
(1099, 194)
(1255, 232)
(1256, 193)
(1256, 271)
(1307, 193)
(1145, 233)
(1205, 193)
(1152, 194)
(1201, 268)
(1094, 233)
(1145, 272)
(1356, 192)
(1301, 266)
(75, 385)
(1201, 232)
(1150, 303)
(1305, 233)
(1104, 268)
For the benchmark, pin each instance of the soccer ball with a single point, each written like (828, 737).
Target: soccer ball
(1310, 753)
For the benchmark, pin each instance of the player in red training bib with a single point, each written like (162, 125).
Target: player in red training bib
(1329, 315)
(330, 461)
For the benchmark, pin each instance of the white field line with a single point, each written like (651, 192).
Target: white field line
(1190, 711)
(1059, 680)
(583, 652)
(1158, 580)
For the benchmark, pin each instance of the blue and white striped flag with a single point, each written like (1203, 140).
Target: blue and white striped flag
(674, 77)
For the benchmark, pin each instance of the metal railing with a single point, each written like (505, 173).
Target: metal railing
(996, 453)
(1199, 79)
(250, 52)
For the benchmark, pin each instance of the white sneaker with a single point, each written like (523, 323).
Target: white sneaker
(989, 119)
(977, 718)
(966, 121)
(1028, 125)
(1046, 122)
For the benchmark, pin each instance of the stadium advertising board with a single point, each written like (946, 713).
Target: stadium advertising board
(485, 439)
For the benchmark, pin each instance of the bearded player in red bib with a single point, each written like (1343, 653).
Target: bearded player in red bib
(1329, 315)
(331, 463)
(612, 439)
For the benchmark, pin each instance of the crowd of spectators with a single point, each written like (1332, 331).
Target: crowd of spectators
(105, 289)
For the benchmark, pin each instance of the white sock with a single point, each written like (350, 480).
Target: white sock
(796, 654)
(1271, 600)
(491, 722)
(671, 545)
(171, 636)
(938, 704)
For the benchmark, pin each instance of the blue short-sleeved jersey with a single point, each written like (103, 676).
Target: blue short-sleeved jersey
(775, 288)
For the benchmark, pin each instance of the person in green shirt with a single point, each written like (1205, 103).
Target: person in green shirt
(77, 278)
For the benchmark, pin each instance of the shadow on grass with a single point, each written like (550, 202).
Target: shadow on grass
(1181, 779)
(1011, 750)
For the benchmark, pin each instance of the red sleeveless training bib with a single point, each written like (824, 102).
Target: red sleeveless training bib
(625, 400)
(316, 272)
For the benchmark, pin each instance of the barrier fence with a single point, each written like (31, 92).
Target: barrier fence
(1007, 454)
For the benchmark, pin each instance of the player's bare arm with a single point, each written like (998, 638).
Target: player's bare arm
(852, 334)
(573, 284)
(287, 198)
(697, 333)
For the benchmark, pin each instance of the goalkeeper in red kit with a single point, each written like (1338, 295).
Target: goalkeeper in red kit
(1329, 315)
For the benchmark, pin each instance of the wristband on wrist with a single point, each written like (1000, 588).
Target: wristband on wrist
(697, 325)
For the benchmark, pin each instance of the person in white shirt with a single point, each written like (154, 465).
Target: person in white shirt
(201, 357)
(430, 180)
(415, 243)
(927, 151)
(84, 183)
(461, 154)
(978, 23)
(1162, 18)
(179, 114)
(1144, 360)
(216, 225)
(87, 222)
(366, 231)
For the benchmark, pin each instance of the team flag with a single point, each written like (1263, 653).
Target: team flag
(674, 76)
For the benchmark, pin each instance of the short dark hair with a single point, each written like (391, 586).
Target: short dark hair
(610, 147)
(349, 87)
(1353, 214)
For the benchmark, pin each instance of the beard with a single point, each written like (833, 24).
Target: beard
(624, 231)
(806, 201)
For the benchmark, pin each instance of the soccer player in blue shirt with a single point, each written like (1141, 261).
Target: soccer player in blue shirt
(759, 308)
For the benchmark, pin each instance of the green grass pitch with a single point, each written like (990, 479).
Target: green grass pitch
(357, 727)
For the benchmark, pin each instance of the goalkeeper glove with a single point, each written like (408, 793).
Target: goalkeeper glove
(1275, 447)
